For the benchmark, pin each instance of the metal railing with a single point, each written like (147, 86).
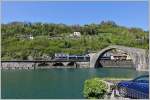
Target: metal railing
(131, 93)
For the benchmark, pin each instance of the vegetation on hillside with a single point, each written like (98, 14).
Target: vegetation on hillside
(94, 37)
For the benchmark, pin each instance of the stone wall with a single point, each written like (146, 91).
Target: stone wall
(17, 65)
(32, 65)
(116, 63)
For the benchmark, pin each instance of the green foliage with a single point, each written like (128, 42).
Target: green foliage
(95, 88)
(94, 38)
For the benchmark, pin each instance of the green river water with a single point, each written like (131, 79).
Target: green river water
(55, 83)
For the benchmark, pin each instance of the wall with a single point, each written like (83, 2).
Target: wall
(32, 65)
(118, 63)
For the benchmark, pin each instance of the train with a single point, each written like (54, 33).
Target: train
(71, 57)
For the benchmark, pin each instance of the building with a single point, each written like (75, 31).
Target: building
(30, 37)
(118, 57)
(75, 35)
(22, 37)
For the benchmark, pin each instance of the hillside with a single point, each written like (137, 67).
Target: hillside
(49, 38)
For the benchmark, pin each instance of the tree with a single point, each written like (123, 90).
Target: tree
(94, 37)
(95, 88)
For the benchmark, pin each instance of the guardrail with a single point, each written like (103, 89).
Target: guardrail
(129, 93)
(132, 93)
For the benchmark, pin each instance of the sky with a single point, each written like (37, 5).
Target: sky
(127, 13)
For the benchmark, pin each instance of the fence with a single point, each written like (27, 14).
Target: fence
(131, 93)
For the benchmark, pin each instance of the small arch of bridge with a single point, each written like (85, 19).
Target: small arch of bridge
(58, 64)
(42, 64)
(71, 64)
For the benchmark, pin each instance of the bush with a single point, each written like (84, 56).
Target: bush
(95, 88)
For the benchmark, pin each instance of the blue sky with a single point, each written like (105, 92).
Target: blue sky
(129, 14)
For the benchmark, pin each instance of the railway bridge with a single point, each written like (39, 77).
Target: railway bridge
(35, 64)
(139, 58)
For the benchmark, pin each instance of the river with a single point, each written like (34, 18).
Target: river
(55, 83)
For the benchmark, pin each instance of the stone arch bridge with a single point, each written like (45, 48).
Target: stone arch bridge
(138, 56)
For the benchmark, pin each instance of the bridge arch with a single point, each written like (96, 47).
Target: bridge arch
(58, 64)
(71, 64)
(98, 64)
(137, 55)
(42, 64)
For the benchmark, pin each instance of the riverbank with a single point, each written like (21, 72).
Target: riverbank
(114, 81)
